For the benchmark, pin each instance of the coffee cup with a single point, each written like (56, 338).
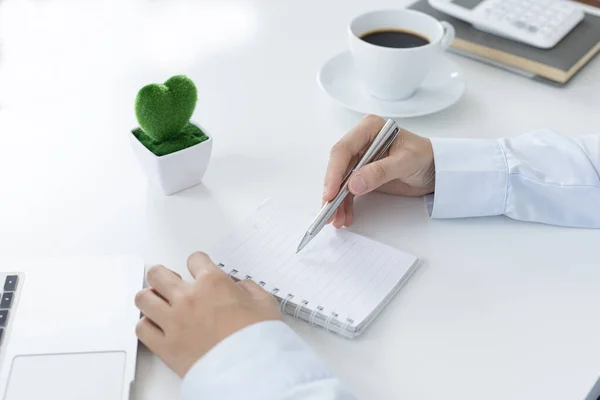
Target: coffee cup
(394, 50)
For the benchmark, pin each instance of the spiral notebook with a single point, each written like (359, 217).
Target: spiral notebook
(340, 281)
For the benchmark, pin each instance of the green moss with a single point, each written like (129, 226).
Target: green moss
(163, 110)
(190, 135)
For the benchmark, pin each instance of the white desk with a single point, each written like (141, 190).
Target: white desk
(500, 310)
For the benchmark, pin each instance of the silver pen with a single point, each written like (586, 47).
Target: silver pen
(376, 150)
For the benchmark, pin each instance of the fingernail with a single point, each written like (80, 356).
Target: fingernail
(325, 190)
(358, 184)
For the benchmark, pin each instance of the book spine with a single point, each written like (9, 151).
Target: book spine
(332, 322)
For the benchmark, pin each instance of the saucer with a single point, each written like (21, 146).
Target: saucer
(443, 87)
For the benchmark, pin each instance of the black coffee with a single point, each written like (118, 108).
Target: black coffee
(395, 38)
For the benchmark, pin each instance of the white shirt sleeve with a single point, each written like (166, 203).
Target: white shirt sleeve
(265, 361)
(539, 177)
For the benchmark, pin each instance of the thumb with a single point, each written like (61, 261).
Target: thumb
(371, 176)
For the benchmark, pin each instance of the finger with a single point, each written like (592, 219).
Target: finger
(176, 274)
(373, 175)
(158, 294)
(156, 291)
(348, 147)
(256, 291)
(335, 215)
(164, 281)
(199, 263)
(340, 216)
(349, 207)
(152, 306)
(149, 334)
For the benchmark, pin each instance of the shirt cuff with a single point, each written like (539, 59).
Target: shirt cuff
(266, 359)
(471, 178)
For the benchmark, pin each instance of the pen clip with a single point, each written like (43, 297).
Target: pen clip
(387, 145)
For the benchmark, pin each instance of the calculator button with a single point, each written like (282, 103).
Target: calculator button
(560, 17)
(520, 24)
(546, 32)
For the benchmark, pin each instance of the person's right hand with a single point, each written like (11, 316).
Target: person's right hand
(407, 169)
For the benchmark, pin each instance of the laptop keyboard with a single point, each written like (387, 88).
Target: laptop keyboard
(8, 293)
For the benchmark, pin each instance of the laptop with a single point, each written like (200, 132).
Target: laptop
(67, 327)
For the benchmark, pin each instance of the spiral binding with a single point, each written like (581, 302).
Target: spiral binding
(315, 313)
(299, 308)
(349, 321)
(317, 309)
(332, 315)
(284, 301)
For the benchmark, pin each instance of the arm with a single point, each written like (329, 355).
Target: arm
(227, 339)
(539, 177)
(266, 360)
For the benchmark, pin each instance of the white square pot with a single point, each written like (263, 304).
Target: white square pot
(177, 171)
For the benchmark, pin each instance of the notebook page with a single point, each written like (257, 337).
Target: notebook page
(340, 271)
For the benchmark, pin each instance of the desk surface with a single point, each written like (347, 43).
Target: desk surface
(500, 309)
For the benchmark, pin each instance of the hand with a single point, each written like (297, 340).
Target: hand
(182, 321)
(407, 169)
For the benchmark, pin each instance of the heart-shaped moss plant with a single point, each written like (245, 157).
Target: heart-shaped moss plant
(163, 112)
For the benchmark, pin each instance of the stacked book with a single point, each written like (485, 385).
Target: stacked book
(557, 65)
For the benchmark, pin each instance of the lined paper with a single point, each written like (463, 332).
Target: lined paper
(338, 270)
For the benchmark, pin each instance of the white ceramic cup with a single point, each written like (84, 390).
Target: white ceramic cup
(396, 73)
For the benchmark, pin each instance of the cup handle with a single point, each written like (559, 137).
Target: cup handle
(448, 34)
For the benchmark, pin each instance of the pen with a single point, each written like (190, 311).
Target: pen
(376, 150)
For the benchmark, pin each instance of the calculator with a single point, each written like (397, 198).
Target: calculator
(538, 23)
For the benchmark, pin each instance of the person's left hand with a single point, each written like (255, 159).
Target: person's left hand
(182, 321)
